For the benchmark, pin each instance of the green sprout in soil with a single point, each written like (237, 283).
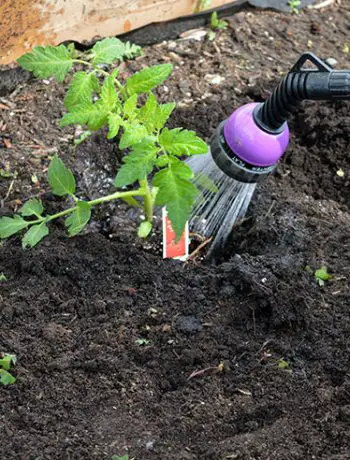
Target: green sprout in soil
(283, 364)
(216, 24)
(293, 5)
(6, 363)
(3, 277)
(124, 457)
(322, 275)
(142, 342)
(129, 109)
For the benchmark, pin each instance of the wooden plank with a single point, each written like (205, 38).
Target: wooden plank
(28, 23)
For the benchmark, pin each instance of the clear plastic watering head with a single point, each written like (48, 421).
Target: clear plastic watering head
(249, 144)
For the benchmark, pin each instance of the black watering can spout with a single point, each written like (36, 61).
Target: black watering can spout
(321, 84)
(248, 145)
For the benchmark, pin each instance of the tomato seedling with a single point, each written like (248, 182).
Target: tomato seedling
(99, 99)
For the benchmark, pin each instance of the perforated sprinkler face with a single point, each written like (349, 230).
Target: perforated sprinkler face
(244, 151)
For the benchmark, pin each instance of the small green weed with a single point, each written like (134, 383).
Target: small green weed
(6, 173)
(3, 277)
(294, 4)
(141, 342)
(322, 275)
(283, 364)
(216, 24)
(6, 362)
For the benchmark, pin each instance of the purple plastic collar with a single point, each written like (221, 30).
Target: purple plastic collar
(250, 143)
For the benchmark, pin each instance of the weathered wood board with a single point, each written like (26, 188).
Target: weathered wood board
(27, 23)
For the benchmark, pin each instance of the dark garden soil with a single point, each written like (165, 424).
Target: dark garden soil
(72, 310)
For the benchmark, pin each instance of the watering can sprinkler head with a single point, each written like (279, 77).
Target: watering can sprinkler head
(248, 145)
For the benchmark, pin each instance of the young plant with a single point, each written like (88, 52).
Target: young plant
(141, 342)
(322, 275)
(216, 24)
(6, 362)
(99, 99)
(293, 5)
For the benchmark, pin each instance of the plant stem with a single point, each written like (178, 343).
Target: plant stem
(103, 199)
(89, 64)
(147, 200)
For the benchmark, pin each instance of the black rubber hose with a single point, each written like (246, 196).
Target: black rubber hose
(296, 87)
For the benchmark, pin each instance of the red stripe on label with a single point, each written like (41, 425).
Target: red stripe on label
(171, 248)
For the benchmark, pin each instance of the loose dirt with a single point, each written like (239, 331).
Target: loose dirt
(74, 310)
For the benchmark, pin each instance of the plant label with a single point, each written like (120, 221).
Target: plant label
(171, 248)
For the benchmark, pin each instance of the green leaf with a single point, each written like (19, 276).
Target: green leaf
(93, 115)
(180, 141)
(211, 35)
(72, 51)
(11, 225)
(148, 78)
(81, 88)
(162, 114)
(147, 113)
(322, 275)
(138, 164)
(3, 277)
(130, 106)
(141, 342)
(282, 364)
(107, 51)
(144, 229)
(60, 178)
(13, 358)
(162, 161)
(131, 50)
(79, 218)
(177, 193)
(222, 25)
(214, 21)
(83, 136)
(6, 361)
(98, 116)
(34, 235)
(133, 134)
(114, 123)
(148, 110)
(109, 96)
(47, 61)
(33, 207)
(6, 378)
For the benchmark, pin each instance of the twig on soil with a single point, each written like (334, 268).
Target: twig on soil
(200, 247)
(270, 208)
(197, 235)
(264, 345)
(244, 392)
(210, 370)
(9, 190)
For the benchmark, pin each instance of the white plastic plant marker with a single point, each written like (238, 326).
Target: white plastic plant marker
(171, 248)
